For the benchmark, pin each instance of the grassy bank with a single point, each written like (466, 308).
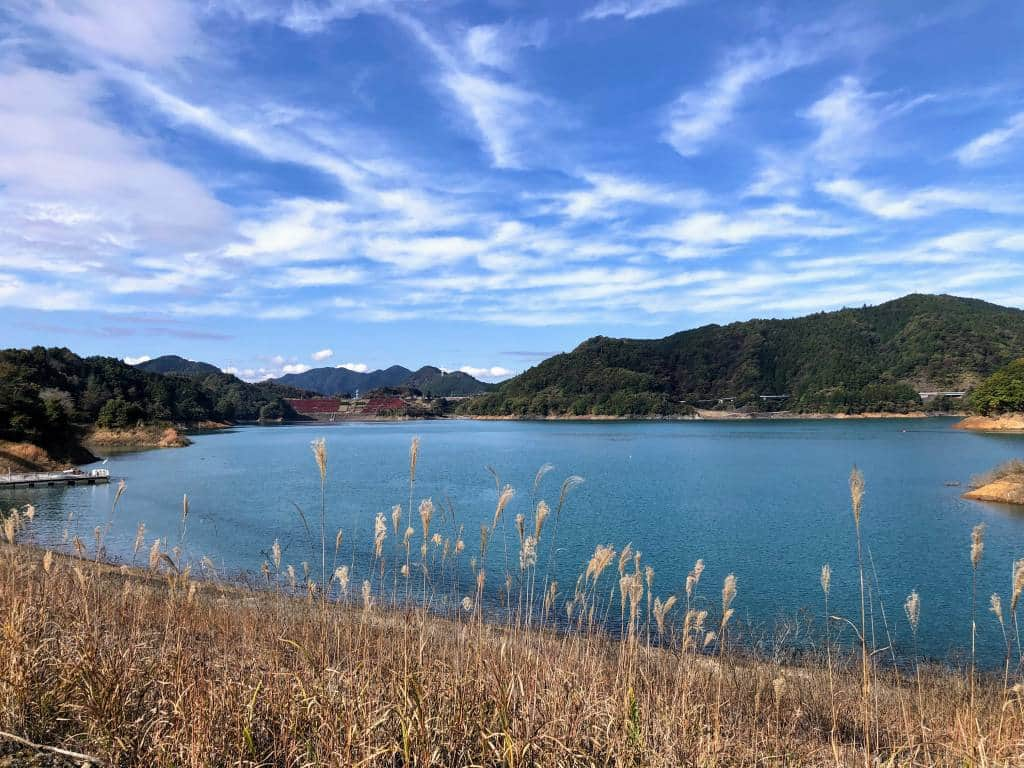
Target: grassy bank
(168, 664)
(141, 436)
(1004, 484)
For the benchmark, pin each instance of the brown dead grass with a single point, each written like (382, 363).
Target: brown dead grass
(154, 667)
(138, 437)
(26, 457)
(1003, 484)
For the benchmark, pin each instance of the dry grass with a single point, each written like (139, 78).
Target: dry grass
(157, 667)
(25, 457)
(1011, 470)
(1007, 477)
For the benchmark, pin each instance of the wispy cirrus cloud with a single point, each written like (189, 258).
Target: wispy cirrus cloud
(697, 116)
(991, 144)
(240, 165)
(631, 9)
(498, 45)
(504, 114)
(609, 195)
(705, 230)
(149, 32)
(918, 203)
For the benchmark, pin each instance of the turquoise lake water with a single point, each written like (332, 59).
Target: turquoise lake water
(766, 500)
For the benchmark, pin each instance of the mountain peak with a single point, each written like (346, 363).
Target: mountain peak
(175, 364)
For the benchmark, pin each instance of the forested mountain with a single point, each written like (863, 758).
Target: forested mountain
(48, 395)
(343, 381)
(851, 360)
(1002, 392)
(174, 364)
(434, 382)
(429, 380)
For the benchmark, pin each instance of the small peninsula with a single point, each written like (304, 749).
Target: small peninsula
(1004, 484)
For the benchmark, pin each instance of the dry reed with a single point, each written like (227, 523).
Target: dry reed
(156, 668)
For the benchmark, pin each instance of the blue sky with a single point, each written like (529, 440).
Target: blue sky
(274, 185)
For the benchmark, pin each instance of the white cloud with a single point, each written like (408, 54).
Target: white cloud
(15, 292)
(76, 184)
(847, 119)
(269, 143)
(993, 143)
(301, 277)
(493, 373)
(697, 116)
(496, 46)
(423, 252)
(914, 204)
(284, 312)
(136, 360)
(323, 354)
(357, 367)
(295, 368)
(302, 16)
(503, 113)
(631, 9)
(149, 32)
(716, 229)
(608, 195)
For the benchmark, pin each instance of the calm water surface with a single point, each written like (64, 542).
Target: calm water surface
(765, 500)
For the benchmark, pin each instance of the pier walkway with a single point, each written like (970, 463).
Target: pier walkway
(67, 477)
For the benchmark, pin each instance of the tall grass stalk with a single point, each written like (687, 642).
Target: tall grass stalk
(320, 455)
(857, 504)
(977, 548)
(155, 667)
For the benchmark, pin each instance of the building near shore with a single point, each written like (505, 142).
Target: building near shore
(315, 407)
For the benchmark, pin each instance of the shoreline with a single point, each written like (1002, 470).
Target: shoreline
(1006, 422)
(725, 416)
(152, 436)
(998, 492)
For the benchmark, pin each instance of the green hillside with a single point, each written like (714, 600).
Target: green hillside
(428, 380)
(851, 360)
(343, 381)
(48, 396)
(175, 364)
(434, 382)
(1002, 392)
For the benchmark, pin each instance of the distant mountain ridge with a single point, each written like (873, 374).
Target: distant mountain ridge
(850, 360)
(428, 380)
(174, 364)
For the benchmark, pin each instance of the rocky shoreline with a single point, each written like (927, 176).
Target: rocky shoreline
(1007, 422)
(1004, 484)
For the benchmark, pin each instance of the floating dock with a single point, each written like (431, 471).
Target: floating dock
(44, 479)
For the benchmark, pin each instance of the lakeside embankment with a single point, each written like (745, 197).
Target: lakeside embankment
(143, 436)
(711, 415)
(26, 457)
(144, 666)
(1007, 422)
(1004, 484)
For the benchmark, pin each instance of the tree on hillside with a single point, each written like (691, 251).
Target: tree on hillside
(1002, 392)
